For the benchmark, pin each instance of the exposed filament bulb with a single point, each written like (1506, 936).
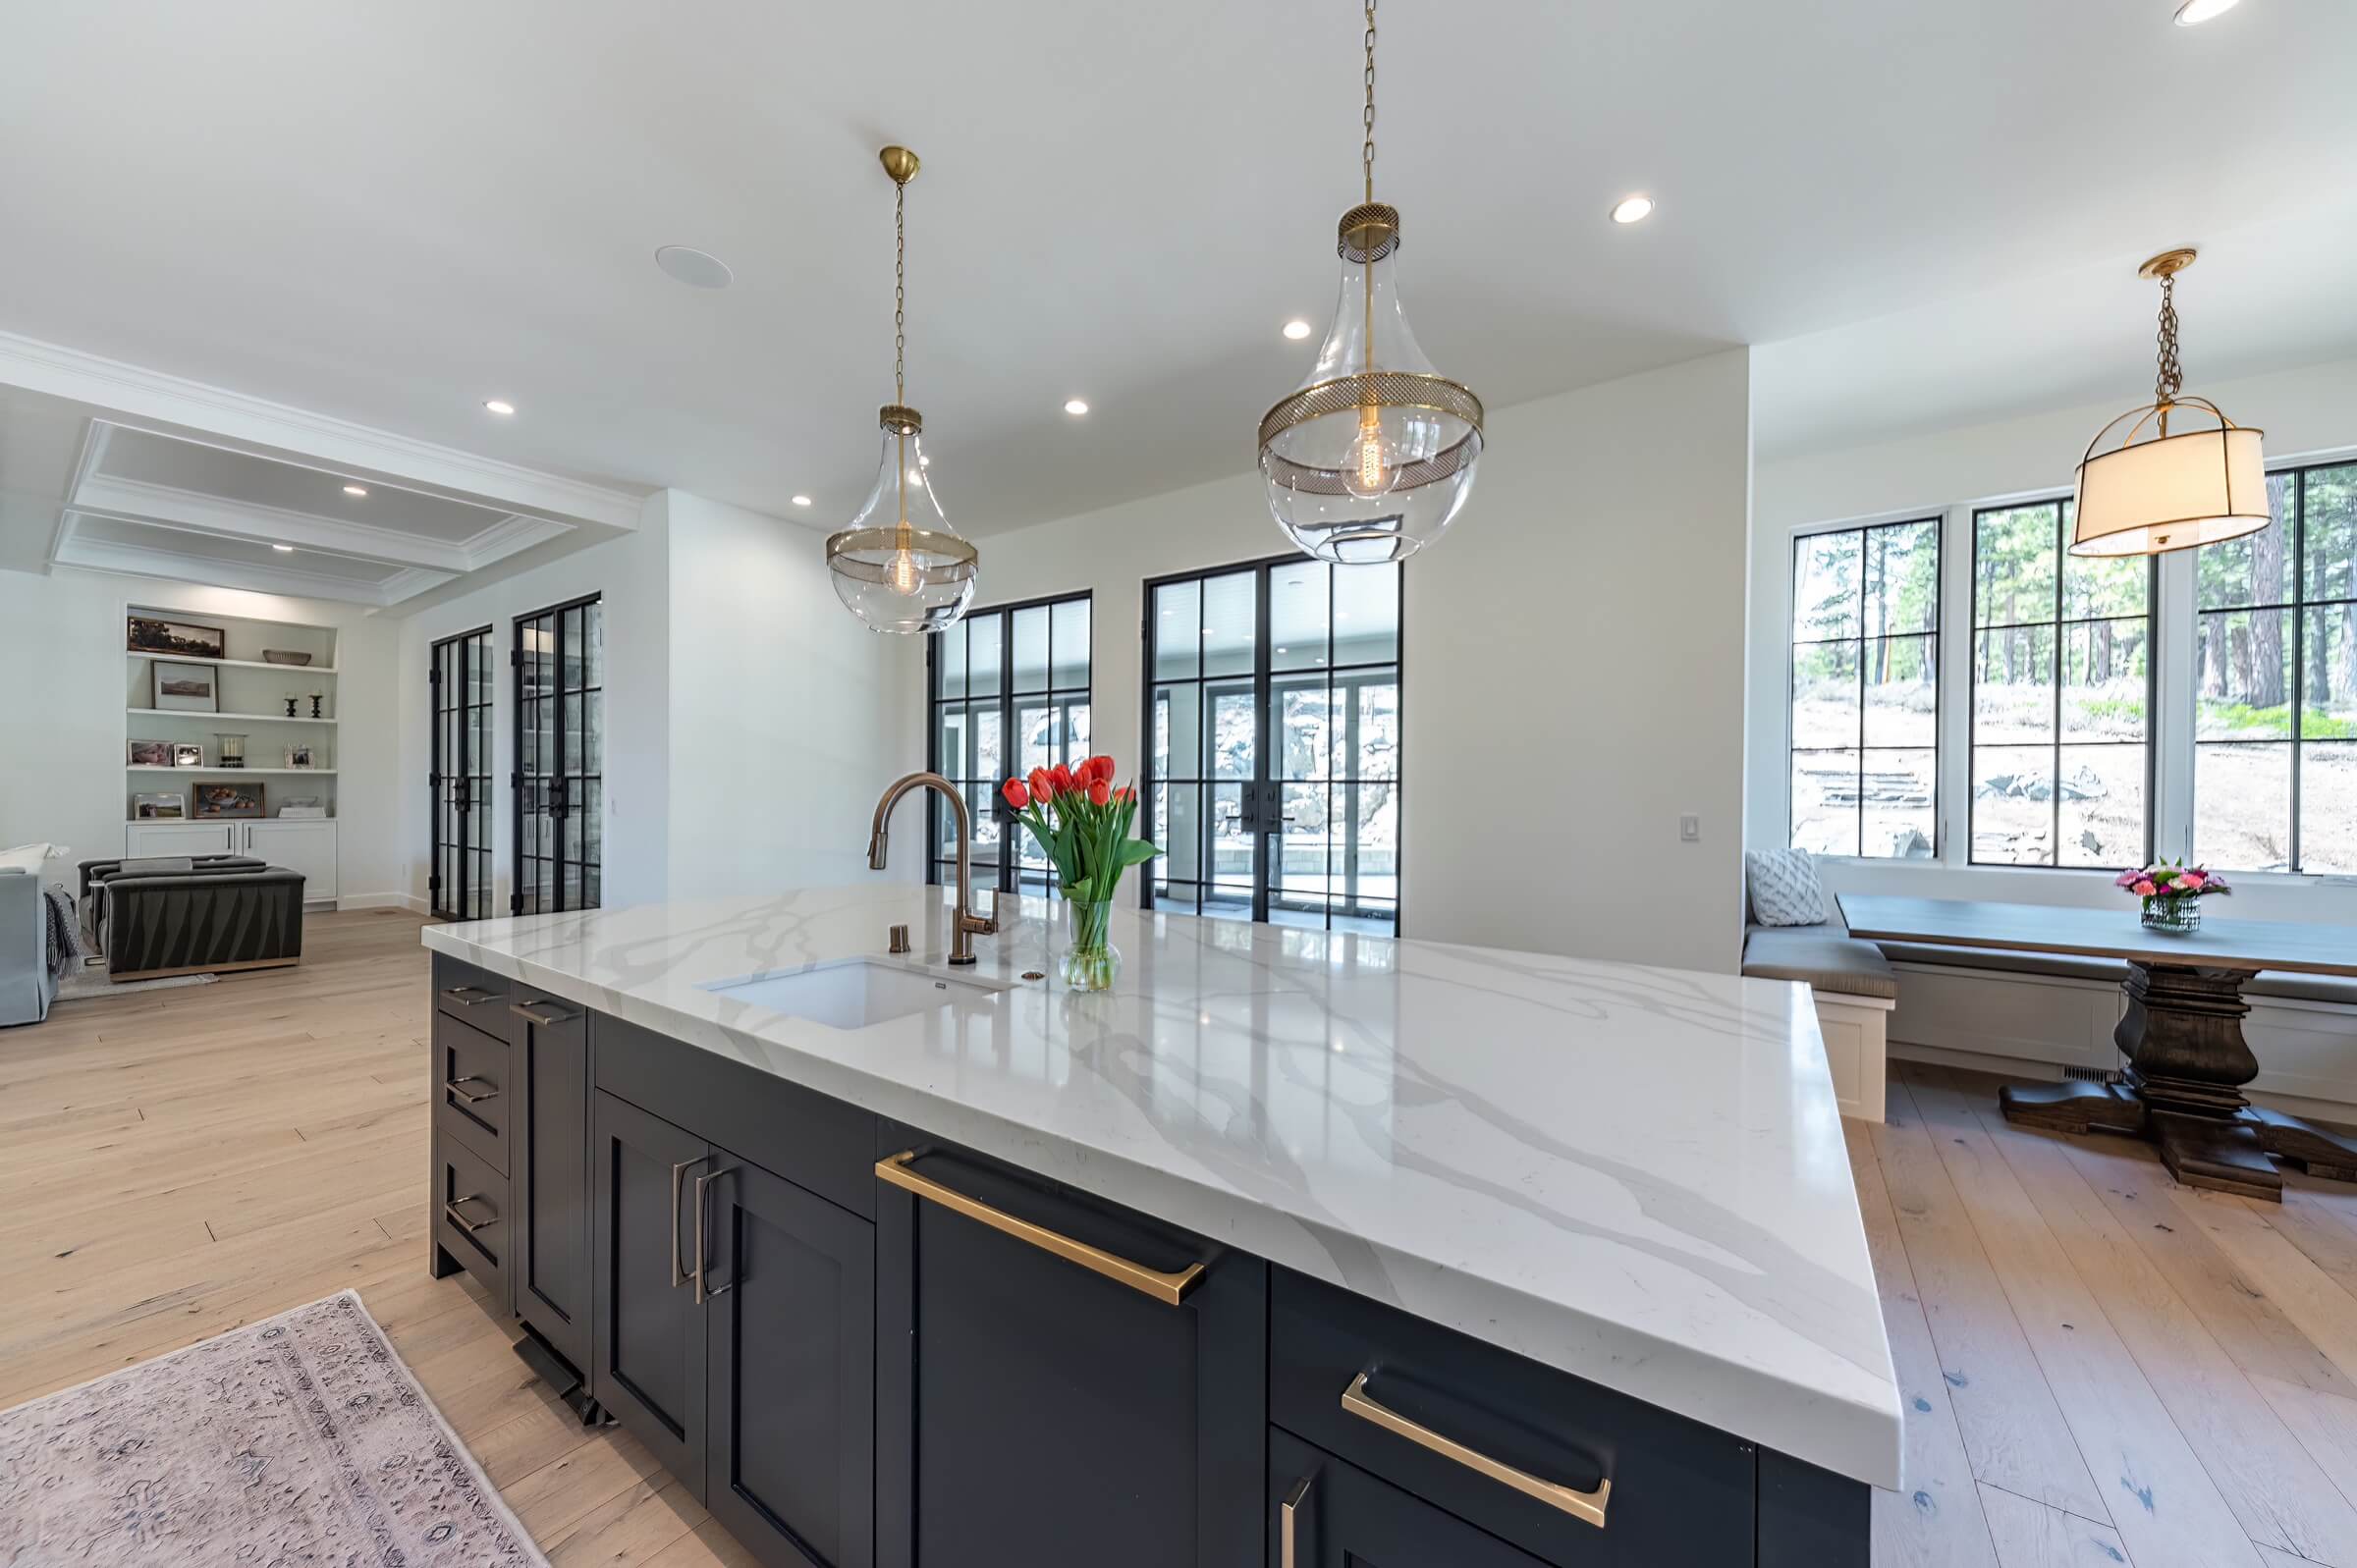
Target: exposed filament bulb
(904, 575)
(1368, 473)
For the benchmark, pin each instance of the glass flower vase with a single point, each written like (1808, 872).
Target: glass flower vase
(2177, 915)
(1091, 962)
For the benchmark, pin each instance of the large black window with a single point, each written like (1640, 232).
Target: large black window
(459, 887)
(1010, 693)
(1865, 692)
(2062, 695)
(2276, 683)
(1273, 743)
(560, 662)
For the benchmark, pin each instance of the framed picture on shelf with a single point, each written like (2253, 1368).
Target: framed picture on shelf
(144, 634)
(182, 687)
(183, 756)
(151, 755)
(223, 802)
(300, 757)
(168, 805)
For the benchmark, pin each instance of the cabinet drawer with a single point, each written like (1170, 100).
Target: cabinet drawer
(1324, 1513)
(471, 1089)
(1478, 1430)
(477, 995)
(471, 1214)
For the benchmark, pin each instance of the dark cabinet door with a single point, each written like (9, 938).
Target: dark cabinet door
(549, 1074)
(646, 1330)
(789, 1282)
(1042, 1398)
(1324, 1513)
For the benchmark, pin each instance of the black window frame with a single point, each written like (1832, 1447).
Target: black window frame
(466, 896)
(527, 894)
(2059, 624)
(2296, 608)
(1938, 522)
(1262, 797)
(983, 800)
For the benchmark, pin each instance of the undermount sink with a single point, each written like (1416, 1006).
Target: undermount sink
(855, 993)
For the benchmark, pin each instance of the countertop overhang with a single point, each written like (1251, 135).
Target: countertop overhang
(1634, 1174)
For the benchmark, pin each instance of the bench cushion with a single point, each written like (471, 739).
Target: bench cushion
(1820, 957)
(2008, 960)
(2283, 983)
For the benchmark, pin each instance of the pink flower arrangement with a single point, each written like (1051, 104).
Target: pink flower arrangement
(2170, 880)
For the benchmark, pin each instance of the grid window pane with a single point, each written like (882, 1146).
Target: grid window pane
(1898, 804)
(1178, 630)
(1903, 578)
(2328, 533)
(2015, 554)
(2245, 795)
(985, 643)
(1027, 665)
(2013, 805)
(1366, 615)
(1825, 694)
(2014, 684)
(2242, 665)
(1828, 587)
(1070, 644)
(2328, 808)
(2104, 680)
(2328, 688)
(2100, 806)
(1299, 620)
(1901, 686)
(1824, 803)
(1231, 628)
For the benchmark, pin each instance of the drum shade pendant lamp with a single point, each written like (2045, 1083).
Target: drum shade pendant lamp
(1373, 455)
(899, 566)
(2184, 474)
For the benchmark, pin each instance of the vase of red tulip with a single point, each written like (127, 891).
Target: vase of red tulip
(1081, 823)
(2171, 894)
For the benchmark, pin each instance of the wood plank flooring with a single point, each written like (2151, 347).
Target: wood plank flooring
(2097, 1367)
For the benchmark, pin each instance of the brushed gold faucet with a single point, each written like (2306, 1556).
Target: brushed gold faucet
(964, 924)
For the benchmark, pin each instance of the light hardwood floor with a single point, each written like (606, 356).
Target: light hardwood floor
(2097, 1367)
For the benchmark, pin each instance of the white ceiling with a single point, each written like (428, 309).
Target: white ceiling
(389, 213)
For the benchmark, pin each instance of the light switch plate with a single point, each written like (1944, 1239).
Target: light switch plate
(1689, 828)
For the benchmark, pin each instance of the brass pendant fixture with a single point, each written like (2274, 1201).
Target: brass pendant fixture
(2162, 486)
(897, 564)
(1373, 455)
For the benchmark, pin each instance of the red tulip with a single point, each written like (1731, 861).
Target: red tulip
(1099, 792)
(1043, 787)
(1101, 769)
(1061, 777)
(1017, 798)
(1125, 794)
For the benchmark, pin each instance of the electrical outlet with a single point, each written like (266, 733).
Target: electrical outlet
(1689, 828)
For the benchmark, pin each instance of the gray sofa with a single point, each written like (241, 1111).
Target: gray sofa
(26, 986)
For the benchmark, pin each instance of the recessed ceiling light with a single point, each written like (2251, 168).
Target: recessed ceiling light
(1636, 209)
(1075, 406)
(499, 405)
(2193, 13)
(698, 269)
(356, 490)
(1297, 329)
(802, 501)
(283, 550)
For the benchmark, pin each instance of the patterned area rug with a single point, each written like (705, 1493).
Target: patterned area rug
(297, 1442)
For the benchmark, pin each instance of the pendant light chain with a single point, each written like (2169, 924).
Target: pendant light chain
(1366, 153)
(2170, 378)
(899, 292)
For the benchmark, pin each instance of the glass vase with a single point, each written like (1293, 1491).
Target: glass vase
(2177, 915)
(1091, 962)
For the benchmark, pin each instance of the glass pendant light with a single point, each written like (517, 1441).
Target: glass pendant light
(2160, 489)
(899, 566)
(1373, 455)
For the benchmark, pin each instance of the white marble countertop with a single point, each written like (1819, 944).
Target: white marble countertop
(1633, 1174)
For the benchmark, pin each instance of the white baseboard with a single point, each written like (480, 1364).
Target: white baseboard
(383, 901)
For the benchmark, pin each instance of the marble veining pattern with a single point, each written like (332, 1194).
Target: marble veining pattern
(1634, 1174)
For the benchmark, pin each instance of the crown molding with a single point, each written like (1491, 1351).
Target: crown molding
(111, 384)
(131, 561)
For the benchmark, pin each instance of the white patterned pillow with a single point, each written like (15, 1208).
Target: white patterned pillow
(1784, 890)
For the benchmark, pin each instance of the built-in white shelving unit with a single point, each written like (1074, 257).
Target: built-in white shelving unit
(247, 696)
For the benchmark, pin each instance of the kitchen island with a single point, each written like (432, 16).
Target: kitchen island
(1295, 1244)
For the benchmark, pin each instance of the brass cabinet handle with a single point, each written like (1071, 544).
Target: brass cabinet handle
(471, 1098)
(1586, 1507)
(470, 996)
(1168, 1289)
(470, 1227)
(703, 1292)
(678, 1275)
(545, 1016)
(1287, 1513)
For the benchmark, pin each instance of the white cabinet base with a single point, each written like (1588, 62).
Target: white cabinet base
(306, 844)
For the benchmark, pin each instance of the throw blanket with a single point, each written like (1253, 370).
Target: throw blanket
(66, 952)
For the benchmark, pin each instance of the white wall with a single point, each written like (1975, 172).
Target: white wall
(2309, 412)
(1539, 672)
(63, 719)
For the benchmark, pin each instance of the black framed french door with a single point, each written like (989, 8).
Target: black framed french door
(459, 679)
(1272, 776)
(1009, 693)
(558, 662)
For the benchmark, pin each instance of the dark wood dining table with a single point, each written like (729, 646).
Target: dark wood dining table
(2181, 1030)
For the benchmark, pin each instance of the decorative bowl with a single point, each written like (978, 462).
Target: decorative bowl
(284, 655)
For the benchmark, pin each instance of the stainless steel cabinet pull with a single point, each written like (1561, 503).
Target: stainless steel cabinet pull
(471, 996)
(1586, 1507)
(541, 1013)
(705, 1293)
(470, 1227)
(679, 1173)
(1289, 1523)
(1168, 1289)
(455, 1086)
